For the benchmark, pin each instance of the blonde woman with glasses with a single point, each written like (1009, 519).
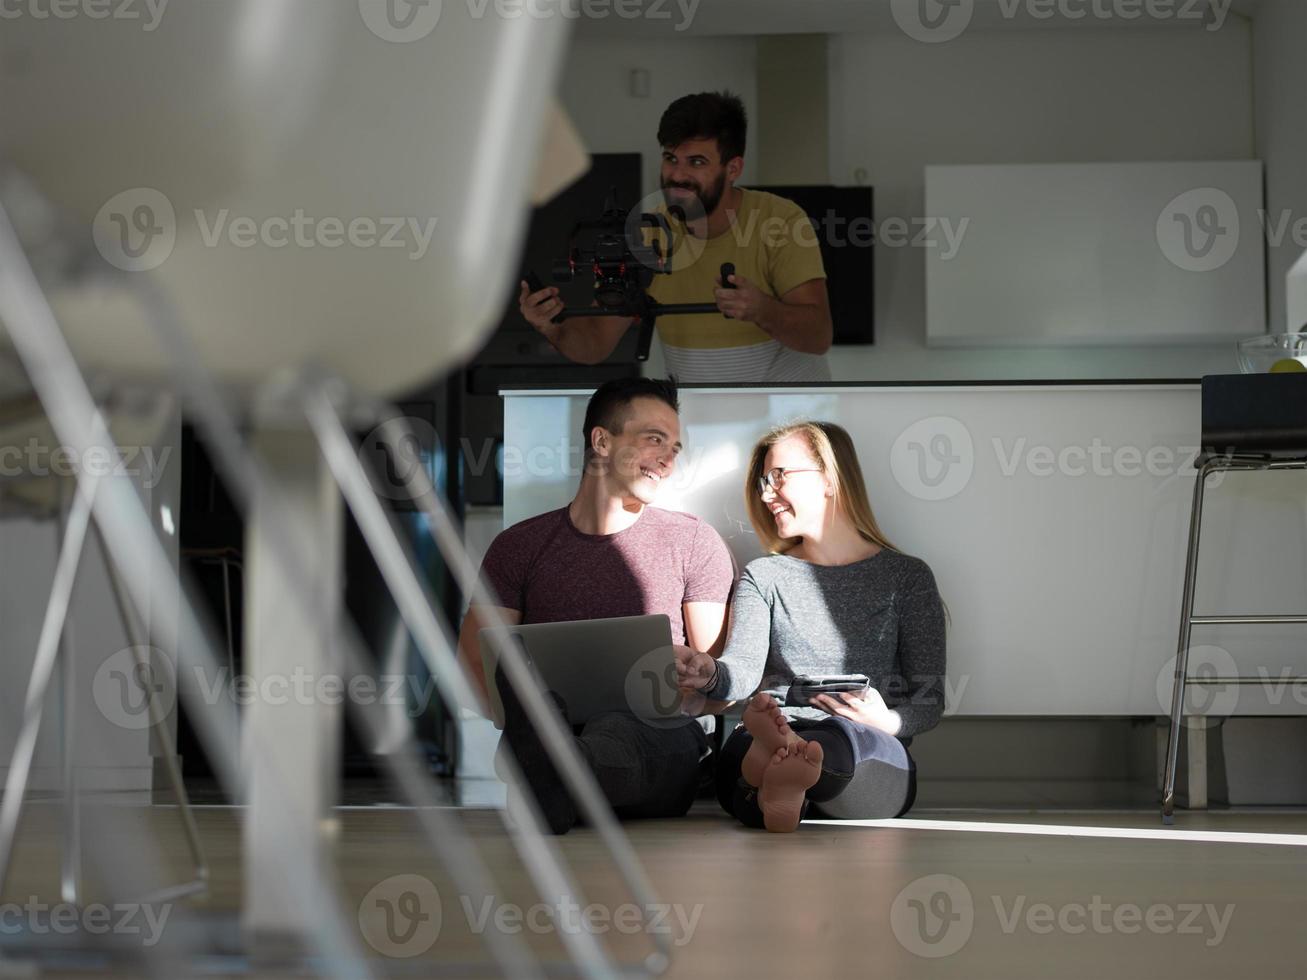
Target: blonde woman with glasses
(831, 597)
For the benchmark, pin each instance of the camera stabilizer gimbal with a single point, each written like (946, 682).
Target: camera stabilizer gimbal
(623, 270)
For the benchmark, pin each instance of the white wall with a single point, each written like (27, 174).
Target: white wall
(595, 90)
(1280, 35)
(793, 117)
(987, 97)
(1025, 97)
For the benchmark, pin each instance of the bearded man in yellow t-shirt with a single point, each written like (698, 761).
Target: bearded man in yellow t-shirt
(775, 324)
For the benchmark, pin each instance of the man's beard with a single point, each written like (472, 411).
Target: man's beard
(707, 201)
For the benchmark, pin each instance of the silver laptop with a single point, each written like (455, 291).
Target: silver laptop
(594, 665)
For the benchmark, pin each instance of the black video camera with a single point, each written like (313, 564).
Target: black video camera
(614, 250)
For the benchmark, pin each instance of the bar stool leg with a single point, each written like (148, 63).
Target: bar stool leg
(1182, 648)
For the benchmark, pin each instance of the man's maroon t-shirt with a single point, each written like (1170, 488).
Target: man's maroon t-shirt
(550, 572)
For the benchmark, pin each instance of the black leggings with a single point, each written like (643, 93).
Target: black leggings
(865, 773)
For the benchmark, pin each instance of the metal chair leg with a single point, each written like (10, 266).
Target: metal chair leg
(70, 863)
(1182, 647)
(418, 608)
(70, 874)
(67, 400)
(47, 652)
(576, 776)
(139, 639)
(444, 834)
(225, 563)
(231, 632)
(226, 601)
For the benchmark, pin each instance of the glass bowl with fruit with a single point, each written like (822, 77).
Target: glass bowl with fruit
(1277, 353)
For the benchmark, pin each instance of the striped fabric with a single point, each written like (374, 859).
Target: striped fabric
(755, 364)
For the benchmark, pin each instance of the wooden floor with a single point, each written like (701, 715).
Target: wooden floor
(945, 898)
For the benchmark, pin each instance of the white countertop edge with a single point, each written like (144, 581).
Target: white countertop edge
(829, 390)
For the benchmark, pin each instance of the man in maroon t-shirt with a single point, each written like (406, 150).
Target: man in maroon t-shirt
(609, 553)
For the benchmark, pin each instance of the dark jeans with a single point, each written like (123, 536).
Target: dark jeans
(865, 774)
(644, 770)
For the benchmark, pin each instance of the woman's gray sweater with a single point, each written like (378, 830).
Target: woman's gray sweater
(881, 616)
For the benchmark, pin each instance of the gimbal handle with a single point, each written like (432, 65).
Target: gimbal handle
(647, 314)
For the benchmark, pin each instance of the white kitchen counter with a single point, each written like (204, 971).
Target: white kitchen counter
(1054, 517)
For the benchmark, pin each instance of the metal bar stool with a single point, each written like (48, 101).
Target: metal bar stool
(1251, 422)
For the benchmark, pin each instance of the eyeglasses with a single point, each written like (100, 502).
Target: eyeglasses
(775, 477)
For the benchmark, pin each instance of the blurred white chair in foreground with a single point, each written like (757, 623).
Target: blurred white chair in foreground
(323, 205)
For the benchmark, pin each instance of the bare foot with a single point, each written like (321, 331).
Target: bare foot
(763, 720)
(792, 772)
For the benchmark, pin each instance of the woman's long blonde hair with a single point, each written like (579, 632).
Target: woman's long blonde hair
(838, 460)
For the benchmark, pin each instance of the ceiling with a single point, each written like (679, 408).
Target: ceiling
(699, 18)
